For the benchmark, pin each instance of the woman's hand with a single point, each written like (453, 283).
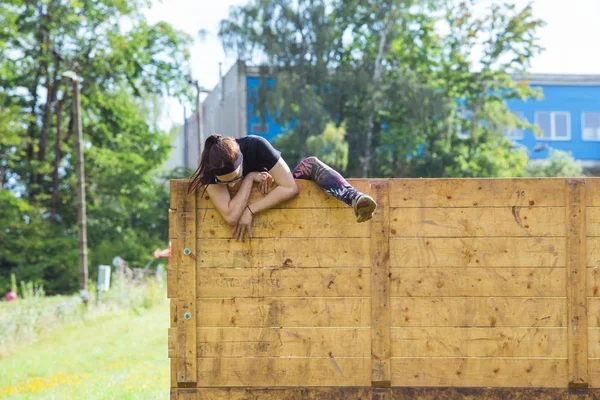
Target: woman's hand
(264, 180)
(243, 226)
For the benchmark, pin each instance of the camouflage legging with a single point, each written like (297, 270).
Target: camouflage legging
(311, 168)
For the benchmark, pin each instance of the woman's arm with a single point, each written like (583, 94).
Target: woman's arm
(231, 208)
(285, 190)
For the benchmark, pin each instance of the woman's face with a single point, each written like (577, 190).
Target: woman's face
(231, 179)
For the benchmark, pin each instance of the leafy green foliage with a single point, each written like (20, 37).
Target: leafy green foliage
(125, 65)
(559, 163)
(421, 85)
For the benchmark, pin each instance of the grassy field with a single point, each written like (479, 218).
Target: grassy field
(120, 356)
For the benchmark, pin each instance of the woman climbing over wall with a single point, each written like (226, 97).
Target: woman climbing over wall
(238, 163)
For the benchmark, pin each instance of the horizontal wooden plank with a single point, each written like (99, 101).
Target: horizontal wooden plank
(513, 282)
(478, 311)
(285, 312)
(592, 223)
(479, 372)
(594, 342)
(292, 223)
(280, 342)
(477, 222)
(310, 196)
(593, 304)
(479, 342)
(478, 252)
(295, 393)
(477, 192)
(593, 252)
(288, 282)
(592, 192)
(288, 253)
(273, 372)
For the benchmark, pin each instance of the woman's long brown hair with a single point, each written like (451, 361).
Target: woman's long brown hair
(218, 152)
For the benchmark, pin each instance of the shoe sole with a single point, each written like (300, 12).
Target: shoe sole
(365, 208)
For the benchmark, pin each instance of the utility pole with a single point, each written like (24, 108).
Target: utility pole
(199, 116)
(79, 172)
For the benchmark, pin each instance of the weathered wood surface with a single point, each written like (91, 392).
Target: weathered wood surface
(474, 282)
(479, 311)
(478, 281)
(420, 193)
(285, 312)
(477, 222)
(593, 252)
(479, 372)
(272, 372)
(478, 252)
(285, 253)
(396, 393)
(592, 221)
(290, 223)
(576, 284)
(380, 284)
(279, 342)
(479, 342)
(287, 282)
(186, 287)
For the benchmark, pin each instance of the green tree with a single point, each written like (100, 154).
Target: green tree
(559, 163)
(126, 64)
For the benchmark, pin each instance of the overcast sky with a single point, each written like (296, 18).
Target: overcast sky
(570, 37)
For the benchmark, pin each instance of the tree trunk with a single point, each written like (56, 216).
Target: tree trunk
(32, 124)
(366, 167)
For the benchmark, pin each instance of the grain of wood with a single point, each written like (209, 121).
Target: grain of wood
(592, 193)
(173, 312)
(289, 282)
(593, 306)
(576, 283)
(380, 284)
(594, 372)
(298, 393)
(477, 222)
(477, 192)
(479, 342)
(478, 252)
(186, 287)
(285, 312)
(287, 253)
(274, 372)
(592, 221)
(593, 252)
(479, 372)
(172, 270)
(289, 223)
(472, 282)
(478, 312)
(280, 342)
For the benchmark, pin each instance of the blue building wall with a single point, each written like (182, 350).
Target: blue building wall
(572, 99)
(557, 98)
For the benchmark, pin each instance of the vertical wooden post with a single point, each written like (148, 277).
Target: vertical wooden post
(380, 287)
(186, 287)
(576, 285)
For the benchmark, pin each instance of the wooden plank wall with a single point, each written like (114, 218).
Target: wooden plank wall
(478, 283)
(456, 282)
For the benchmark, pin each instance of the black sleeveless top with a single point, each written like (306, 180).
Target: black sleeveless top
(259, 154)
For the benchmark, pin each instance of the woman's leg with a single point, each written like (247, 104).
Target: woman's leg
(332, 182)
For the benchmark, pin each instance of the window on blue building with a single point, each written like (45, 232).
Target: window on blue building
(555, 125)
(590, 123)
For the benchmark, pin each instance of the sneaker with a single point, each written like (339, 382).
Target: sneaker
(364, 206)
